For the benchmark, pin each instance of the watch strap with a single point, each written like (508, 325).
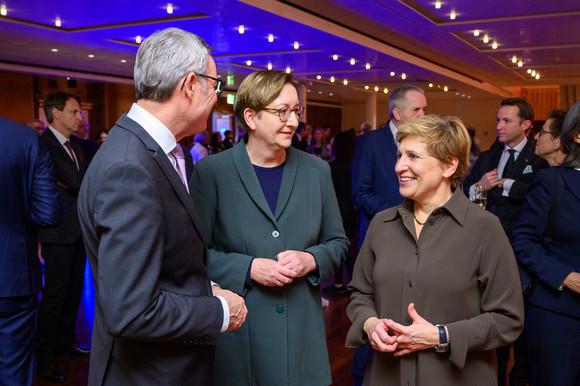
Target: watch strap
(442, 334)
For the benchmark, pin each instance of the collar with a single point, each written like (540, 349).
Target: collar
(157, 130)
(61, 138)
(393, 131)
(456, 206)
(518, 148)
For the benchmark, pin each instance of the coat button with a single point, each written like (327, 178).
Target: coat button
(275, 234)
(279, 308)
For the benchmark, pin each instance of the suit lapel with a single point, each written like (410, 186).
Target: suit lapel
(288, 178)
(167, 168)
(250, 180)
(523, 160)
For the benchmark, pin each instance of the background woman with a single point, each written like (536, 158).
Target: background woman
(318, 146)
(553, 320)
(434, 272)
(274, 232)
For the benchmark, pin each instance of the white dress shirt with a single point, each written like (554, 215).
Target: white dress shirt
(507, 185)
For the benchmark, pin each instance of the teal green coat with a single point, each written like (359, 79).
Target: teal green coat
(283, 340)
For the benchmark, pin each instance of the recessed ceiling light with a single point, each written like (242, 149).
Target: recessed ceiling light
(376, 88)
(170, 8)
(3, 10)
(476, 32)
(430, 84)
(123, 61)
(318, 77)
(520, 63)
(334, 57)
(494, 45)
(366, 87)
(241, 29)
(57, 22)
(296, 45)
(368, 66)
(332, 79)
(463, 95)
(308, 90)
(248, 62)
(533, 73)
(352, 61)
(445, 89)
(91, 56)
(457, 93)
(386, 90)
(403, 76)
(54, 50)
(345, 82)
(138, 39)
(331, 94)
(392, 73)
(514, 59)
(320, 92)
(485, 38)
(270, 38)
(269, 66)
(538, 75)
(437, 4)
(452, 15)
(529, 70)
(469, 97)
(288, 70)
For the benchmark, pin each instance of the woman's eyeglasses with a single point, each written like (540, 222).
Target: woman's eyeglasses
(285, 112)
(217, 87)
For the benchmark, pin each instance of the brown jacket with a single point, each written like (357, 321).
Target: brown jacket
(461, 273)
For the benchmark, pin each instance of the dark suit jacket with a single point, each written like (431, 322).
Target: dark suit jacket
(155, 317)
(30, 199)
(375, 185)
(525, 168)
(69, 180)
(550, 267)
(89, 147)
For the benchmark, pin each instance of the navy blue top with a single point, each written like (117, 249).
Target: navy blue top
(270, 181)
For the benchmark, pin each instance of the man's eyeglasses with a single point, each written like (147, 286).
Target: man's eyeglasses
(285, 112)
(218, 85)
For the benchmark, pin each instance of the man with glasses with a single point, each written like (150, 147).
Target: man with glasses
(156, 314)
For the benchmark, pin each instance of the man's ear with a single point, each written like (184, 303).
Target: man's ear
(527, 124)
(190, 84)
(250, 117)
(397, 113)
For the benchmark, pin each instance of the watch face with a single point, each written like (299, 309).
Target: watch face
(444, 347)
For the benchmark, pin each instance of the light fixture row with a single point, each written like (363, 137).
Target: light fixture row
(486, 39)
(452, 14)
(445, 89)
(242, 30)
(533, 73)
(89, 55)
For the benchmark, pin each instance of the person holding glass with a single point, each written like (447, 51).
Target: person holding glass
(553, 320)
(274, 232)
(435, 287)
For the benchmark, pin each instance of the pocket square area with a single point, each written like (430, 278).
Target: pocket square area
(528, 169)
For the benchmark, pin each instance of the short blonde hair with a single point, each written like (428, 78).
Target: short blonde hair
(446, 138)
(258, 90)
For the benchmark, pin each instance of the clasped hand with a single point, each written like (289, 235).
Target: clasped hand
(388, 336)
(289, 265)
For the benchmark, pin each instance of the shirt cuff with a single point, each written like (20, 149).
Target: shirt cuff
(226, 322)
(507, 185)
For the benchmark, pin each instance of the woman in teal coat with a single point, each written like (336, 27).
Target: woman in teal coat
(274, 232)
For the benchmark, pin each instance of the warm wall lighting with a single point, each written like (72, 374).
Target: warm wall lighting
(334, 57)
(352, 61)
(368, 66)
(57, 22)
(3, 10)
(445, 88)
(345, 82)
(269, 66)
(529, 70)
(494, 45)
(430, 84)
(538, 75)
(452, 15)
(366, 87)
(377, 88)
(318, 77)
(288, 70)
(332, 79)
(270, 38)
(514, 59)
(170, 8)
(520, 63)
(392, 73)
(486, 39)
(386, 90)
(138, 39)
(249, 62)
(296, 45)
(437, 4)
(476, 32)
(403, 76)
(533, 73)
(241, 29)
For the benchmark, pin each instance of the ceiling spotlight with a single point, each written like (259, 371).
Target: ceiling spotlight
(368, 66)
(352, 61)
(334, 57)
(538, 75)
(269, 66)
(494, 45)
(386, 90)
(138, 39)
(270, 38)
(57, 22)
(54, 50)
(91, 56)
(485, 38)
(452, 15)
(463, 95)
(403, 76)
(318, 77)
(392, 73)
(430, 84)
(3, 10)
(533, 74)
(241, 29)
(332, 79)
(514, 59)
(476, 32)
(469, 97)
(520, 63)
(296, 45)
(319, 92)
(123, 61)
(288, 70)
(170, 8)
(457, 93)
(366, 87)
(331, 94)
(345, 82)
(437, 4)
(249, 62)
(445, 88)
(529, 70)
(377, 88)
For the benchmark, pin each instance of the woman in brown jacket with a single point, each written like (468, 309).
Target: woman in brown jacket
(435, 286)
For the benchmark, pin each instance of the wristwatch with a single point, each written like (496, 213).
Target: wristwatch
(443, 345)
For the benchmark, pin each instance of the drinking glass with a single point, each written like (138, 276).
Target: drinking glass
(479, 196)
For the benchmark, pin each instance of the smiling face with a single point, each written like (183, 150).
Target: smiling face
(511, 129)
(422, 178)
(267, 129)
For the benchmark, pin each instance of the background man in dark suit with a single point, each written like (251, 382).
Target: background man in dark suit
(156, 316)
(62, 247)
(375, 185)
(30, 199)
(505, 172)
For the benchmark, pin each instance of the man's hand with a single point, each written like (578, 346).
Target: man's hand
(270, 273)
(299, 263)
(572, 281)
(489, 180)
(378, 334)
(236, 304)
